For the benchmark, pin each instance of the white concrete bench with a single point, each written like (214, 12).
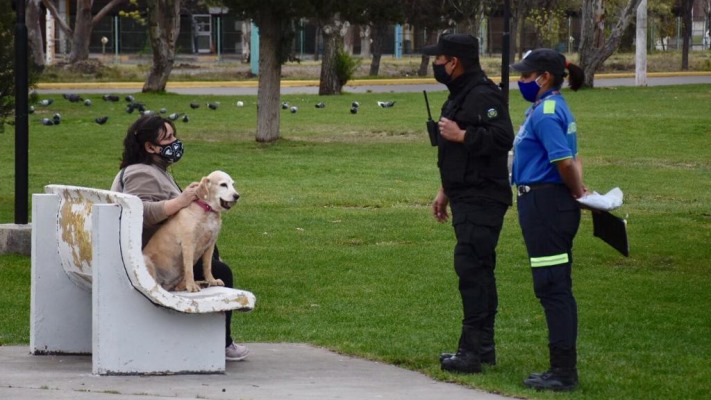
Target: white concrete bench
(92, 294)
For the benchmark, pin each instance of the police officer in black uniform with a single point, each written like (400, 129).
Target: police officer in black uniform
(474, 137)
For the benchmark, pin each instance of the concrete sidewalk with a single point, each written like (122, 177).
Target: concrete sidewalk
(272, 371)
(237, 88)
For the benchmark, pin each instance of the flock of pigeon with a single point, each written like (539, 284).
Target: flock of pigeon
(355, 106)
(133, 105)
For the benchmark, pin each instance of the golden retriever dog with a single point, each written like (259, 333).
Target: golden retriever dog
(190, 235)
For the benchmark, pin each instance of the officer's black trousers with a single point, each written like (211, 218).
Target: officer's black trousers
(477, 226)
(549, 219)
(220, 270)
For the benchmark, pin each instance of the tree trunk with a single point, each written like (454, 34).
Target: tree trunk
(641, 45)
(34, 32)
(82, 32)
(317, 38)
(686, 6)
(364, 40)
(349, 40)
(591, 57)
(246, 40)
(268, 108)
(83, 25)
(163, 30)
(425, 61)
(332, 31)
(378, 34)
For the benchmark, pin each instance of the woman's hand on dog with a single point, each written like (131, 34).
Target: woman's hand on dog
(185, 198)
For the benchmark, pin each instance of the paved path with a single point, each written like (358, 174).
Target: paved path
(272, 371)
(234, 88)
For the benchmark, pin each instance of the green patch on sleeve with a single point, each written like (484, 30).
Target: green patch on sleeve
(549, 107)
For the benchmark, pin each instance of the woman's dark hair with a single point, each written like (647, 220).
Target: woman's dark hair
(148, 128)
(576, 77)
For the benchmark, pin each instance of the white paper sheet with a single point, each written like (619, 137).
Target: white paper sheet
(606, 202)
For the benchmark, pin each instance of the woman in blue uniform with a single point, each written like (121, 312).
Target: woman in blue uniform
(548, 174)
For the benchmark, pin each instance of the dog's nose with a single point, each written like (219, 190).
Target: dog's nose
(236, 196)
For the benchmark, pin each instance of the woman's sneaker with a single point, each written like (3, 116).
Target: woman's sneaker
(236, 352)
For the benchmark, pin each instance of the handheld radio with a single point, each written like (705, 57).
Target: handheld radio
(431, 124)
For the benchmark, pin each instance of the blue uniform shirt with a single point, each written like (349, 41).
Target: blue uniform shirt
(548, 135)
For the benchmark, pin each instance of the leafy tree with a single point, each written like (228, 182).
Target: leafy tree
(84, 23)
(666, 21)
(685, 10)
(163, 30)
(470, 13)
(595, 47)
(274, 18)
(332, 19)
(426, 15)
(333, 29)
(33, 14)
(379, 15)
(546, 19)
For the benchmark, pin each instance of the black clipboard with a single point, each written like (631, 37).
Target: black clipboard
(612, 230)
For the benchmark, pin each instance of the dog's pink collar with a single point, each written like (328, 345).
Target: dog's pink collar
(204, 205)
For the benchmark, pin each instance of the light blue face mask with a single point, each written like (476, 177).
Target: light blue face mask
(529, 90)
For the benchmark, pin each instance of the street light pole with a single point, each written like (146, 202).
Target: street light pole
(21, 124)
(506, 50)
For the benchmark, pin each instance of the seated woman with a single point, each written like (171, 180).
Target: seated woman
(149, 148)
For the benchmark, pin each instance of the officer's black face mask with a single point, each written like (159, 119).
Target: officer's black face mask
(440, 73)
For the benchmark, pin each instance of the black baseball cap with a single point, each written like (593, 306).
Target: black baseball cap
(461, 45)
(541, 60)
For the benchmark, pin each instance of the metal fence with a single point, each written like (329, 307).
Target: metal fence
(222, 35)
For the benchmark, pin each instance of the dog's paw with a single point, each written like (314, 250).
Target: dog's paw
(192, 287)
(216, 282)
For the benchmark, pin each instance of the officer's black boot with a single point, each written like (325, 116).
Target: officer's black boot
(466, 360)
(444, 356)
(563, 374)
(487, 348)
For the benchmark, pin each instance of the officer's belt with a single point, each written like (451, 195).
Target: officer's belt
(523, 189)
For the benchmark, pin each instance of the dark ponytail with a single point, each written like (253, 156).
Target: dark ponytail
(576, 76)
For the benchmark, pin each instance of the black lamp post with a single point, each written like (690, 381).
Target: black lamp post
(506, 50)
(21, 107)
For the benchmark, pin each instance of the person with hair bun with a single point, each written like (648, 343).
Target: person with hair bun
(548, 174)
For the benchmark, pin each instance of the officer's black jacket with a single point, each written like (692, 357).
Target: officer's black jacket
(477, 168)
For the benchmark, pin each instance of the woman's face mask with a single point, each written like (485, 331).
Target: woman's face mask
(172, 152)
(529, 90)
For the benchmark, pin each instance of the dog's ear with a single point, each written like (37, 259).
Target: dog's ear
(203, 188)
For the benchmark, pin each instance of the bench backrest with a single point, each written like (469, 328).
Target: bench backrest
(74, 227)
(75, 251)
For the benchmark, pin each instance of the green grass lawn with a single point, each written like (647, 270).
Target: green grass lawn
(334, 235)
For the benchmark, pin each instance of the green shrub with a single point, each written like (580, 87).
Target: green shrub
(346, 65)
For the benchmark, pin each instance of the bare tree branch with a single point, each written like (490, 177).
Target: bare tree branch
(60, 22)
(106, 10)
